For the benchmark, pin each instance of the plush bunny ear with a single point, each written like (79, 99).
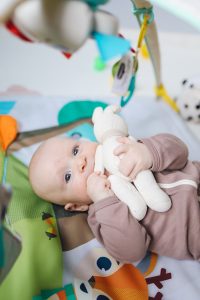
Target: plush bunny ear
(97, 113)
(114, 108)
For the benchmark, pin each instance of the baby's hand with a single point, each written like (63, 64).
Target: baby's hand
(98, 187)
(134, 157)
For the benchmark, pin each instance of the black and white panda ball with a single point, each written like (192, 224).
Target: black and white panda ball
(189, 100)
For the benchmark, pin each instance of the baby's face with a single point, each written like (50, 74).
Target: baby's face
(63, 168)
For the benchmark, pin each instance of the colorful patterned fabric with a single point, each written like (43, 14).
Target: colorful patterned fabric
(59, 249)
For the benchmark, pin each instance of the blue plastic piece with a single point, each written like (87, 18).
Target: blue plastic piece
(111, 46)
(94, 3)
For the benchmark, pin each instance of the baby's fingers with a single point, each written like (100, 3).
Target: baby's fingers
(122, 148)
(125, 168)
(92, 178)
(135, 171)
(107, 184)
(124, 140)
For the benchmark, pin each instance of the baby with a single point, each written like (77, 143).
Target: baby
(62, 172)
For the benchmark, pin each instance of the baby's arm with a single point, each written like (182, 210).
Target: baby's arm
(168, 152)
(122, 235)
(158, 153)
(134, 157)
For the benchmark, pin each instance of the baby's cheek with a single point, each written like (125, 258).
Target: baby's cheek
(81, 186)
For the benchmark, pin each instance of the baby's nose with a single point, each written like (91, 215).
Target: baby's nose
(81, 163)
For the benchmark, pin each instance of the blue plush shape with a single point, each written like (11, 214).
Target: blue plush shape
(111, 46)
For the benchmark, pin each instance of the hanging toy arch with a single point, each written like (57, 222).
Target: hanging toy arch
(20, 15)
(143, 10)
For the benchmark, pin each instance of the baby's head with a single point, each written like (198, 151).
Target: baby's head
(59, 170)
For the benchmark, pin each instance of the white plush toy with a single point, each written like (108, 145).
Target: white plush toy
(7, 8)
(65, 24)
(189, 99)
(108, 127)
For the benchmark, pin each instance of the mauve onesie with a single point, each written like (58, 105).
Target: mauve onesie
(175, 233)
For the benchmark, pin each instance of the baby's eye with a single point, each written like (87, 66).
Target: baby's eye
(68, 176)
(75, 150)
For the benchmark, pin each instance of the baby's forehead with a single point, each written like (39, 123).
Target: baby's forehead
(56, 141)
(57, 144)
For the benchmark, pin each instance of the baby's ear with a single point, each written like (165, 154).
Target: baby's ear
(76, 207)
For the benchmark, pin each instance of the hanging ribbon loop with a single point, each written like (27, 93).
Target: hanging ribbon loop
(144, 11)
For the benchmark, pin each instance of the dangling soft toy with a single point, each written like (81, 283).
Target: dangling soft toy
(144, 190)
(189, 100)
(64, 24)
(7, 8)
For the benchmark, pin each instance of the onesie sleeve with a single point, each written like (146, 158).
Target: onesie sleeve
(122, 235)
(168, 152)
